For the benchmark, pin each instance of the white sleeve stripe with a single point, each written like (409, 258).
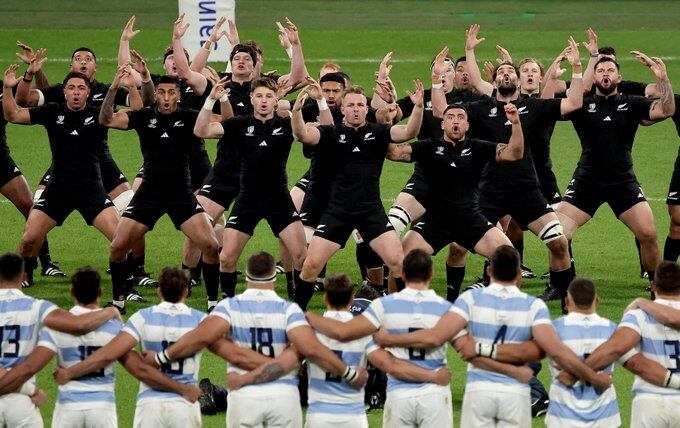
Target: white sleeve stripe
(41, 97)
(225, 317)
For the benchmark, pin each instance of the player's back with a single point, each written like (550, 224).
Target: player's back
(407, 311)
(158, 327)
(582, 404)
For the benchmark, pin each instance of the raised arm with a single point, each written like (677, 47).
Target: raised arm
(403, 370)
(355, 328)
(12, 112)
(664, 107)
(382, 95)
(107, 116)
(315, 92)
(26, 56)
(593, 49)
(13, 379)
(139, 66)
(574, 100)
(401, 133)
(438, 95)
(304, 133)
(66, 322)
(514, 150)
(471, 42)
(197, 81)
(446, 328)
(550, 82)
(155, 379)
(128, 34)
(298, 69)
(25, 95)
(205, 127)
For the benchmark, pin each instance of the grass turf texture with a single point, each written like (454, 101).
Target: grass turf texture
(356, 34)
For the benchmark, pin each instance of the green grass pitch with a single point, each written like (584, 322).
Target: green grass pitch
(356, 35)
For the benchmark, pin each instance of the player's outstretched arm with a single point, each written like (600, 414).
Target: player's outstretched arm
(303, 132)
(197, 81)
(438, 95)
(139, 67)
(12, 112)
(355, 328)
(402, 133)
(271, 370)
(115, 349)
(66, 322)
(205, 127)
(244, 358)
(471, 42)
(298, 69)
(314, 90)
(664, 107)
(25, 95)
(664, 314)
(107, 117)
(403, 370)
(153, 377)
(520, 372)
(15, 378)
(128, 34)
(550, 82)
(40, 77)
(446, 328)
(514, 150)
(574, 100)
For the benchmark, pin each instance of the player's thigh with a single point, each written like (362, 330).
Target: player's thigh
(571, 217)
(436, 410)
(293, 237)
(492, 239)
(17, 410)
(38, 224)
(514, 410)
(388, 247)
(18, 193)
(284, 412)
(245, 411)
(212, 208)
(199, 230)
(409, 203)
(321, 420)
(478, 410)
(169, 414)
(639, 219)
(399, 413)
(414, 240)
(107, 222)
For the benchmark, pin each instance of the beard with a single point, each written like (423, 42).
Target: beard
(606, 91)
(507, 89)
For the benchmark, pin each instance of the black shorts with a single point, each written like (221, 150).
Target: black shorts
(58, 203)
(303, 182)
(148, 205)
(140, 172)
(588, 196)
(8, 170)
(247, 213)
(314, 204)
(439, 231)
(549, 188)
(199, 168)
(523, 207)
(673, 197)
(220, 189)
(112, 176)
(371, 223)
(417, 187)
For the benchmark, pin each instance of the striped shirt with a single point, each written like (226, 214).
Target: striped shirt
(658, 342)
(403, 312)
(499, 314)
(158, 327)
(261, 320)
(21, 317)
(582, 405)
(94, 390)
(328, 393)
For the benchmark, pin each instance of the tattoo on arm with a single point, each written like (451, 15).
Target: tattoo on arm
(665, 94)
(500, 149)
(148, 90)
(269, 372)
(106, 112)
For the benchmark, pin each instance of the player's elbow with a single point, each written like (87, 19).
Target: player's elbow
(200, 131)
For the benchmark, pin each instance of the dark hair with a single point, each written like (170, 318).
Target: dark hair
(170, 51)
(244, 48)
(85, 285)
(253, 44)
(366, 292)
(345, 76)
(607, 50)
(582, 292)
(84, 49)
(172, 283)
(333, 77)
(667, 277)
(455, 106)
(338, 290)
(11, 267)
(606, 59)
(263, 82)
(460, 59)
(261, 265)
(495, 70)
(417, 266)
(167, 79)
(505, 263)
(78, 75)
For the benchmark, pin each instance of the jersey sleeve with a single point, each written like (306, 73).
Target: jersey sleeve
(134, 118)
(539, 313)
(374, 313)
(420, 151)
(46, 340)
(134, 326)
(406, 106)
(42, 114)
(463, 305)
(371, 346)
(53, 94)
(639, 107)
(487, 150)
(45, 308)
(294, 317)
(121, 98)
(630, 87)
(230, 126)
(327, 135)
(631, 319)
(310, 113)
(550, 108)
(222, 310)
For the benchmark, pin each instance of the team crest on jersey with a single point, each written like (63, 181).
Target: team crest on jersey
(591, 108)
(493, 112)
(60, 119)
(89, 120)
(96, 97)
(152, 123)
(188, 90)
(369, 136)
(250, 130)
(622, 107)
(466, 152)
(522, 110)
(277, 131)
(440, 150)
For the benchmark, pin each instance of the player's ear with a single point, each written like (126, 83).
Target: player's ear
(158, 291)
(99, 292)
(597, 301)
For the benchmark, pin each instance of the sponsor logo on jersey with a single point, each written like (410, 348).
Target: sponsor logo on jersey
(74, 132)
(419, 225)
(199, 207)
(89, 120)
(178, 124)
(607, 119)
(60, 119)
(508, 122)
(356, 149)
(240, 104)
(453, 164)
(232, 219)
(128, 209)
(369, 136)
(277, 131)
(622, 107)
(107, 201)
(320, 228)
(466, 152)
(188, 90)
(249, 131)
(591, 108)
(16, 169)
(263, 144)
(493, 112)
(409, 186)
(673, 195)
(39, 202)
(165, 135)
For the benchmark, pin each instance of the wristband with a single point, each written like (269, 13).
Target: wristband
(162, 358)
(577, 68)
(28, 388)
(436, 79)
(350, 374)
(207, 45)
(594, 54)
(323, 105)
(486, 350)
(577, 75)
(28, 80)
(289, 52)
(672, 380)
(224, 98)
(209, 103)
(437, 85)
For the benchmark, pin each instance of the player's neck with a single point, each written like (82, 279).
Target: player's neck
(453, 141)
(420, 286)
(237, 78)
(264, 118)
(93, 305)
(667, 296)
(255, 286)
(505, 283)
(614, 93)
(530, 93)
(10, 285)
(507, 98)
(584, 311)
(355, 125)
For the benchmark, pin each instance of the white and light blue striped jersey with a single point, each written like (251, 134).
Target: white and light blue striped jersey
(499, 314)
(94, 390)
(582, 405)
(260, 320)
(158, 327)
(658, 343)
(21, 317)
(403, 312)
(328, 393)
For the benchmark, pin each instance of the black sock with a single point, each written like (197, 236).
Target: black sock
(119, 274)
(571, 256)
(400, 283)
(642, 267)
(361, 258)
(304, 290)
(228, 281)
(671, 249)
(454, 279)
(290, 286)
(485, 275)
(650, 274)
(560, 280)
(519, 246)
(322, 274)
(196, 271)
(139, 263)
(30, 264)
(44, 254)
(211, 273)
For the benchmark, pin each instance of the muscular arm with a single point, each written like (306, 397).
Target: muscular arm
(244, 358)
(306, 343)
(66, 322)
(622, 341)
(519, 372)
(197, 81)
(666, 315)
(115, 349)
(13, 379)
(205, 128)
(305, 133)
(107, 116)
(151, 376)
(399, 152)
(356, 328)
(272, 369)
(401, 133)
(446, 328)
(647, 369)
(664, 107)
(13, 113)
(208, 331)
(403, 370)
(519, 353)
(478, 83)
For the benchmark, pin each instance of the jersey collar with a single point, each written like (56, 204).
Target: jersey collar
(413, 292)
(167, 305)
(510, 289)
(259, 292)
(339, 315)
(11, 292)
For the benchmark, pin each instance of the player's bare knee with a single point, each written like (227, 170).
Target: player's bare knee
(559, 247)
(647, 235)
(119, 248)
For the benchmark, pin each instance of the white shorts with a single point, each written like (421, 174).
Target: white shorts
(434, 409)
(167, 414)
(265, 410)
(655, 411)
(482, 409)
(324, 420)
(64, 417)
(18, 411)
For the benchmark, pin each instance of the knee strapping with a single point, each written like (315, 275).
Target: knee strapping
(399, 218)
(551, 232)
